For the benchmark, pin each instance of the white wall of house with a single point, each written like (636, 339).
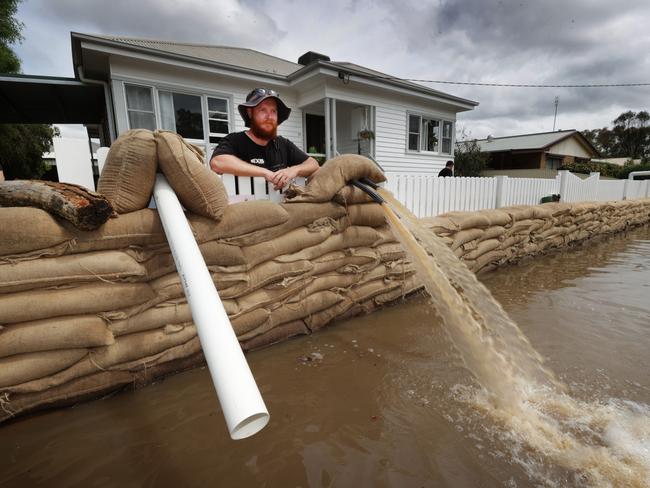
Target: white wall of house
(391, 127)
(570, 147)
(391, 109)
(195, 82)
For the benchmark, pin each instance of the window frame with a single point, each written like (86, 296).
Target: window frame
(441, 123)
(129, 110)
(183, 92)
(156, 88)
(228, 113)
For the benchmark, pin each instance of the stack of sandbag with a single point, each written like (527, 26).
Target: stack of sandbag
(82, 313)
(487, 238)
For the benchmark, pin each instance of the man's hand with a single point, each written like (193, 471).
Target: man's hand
(283, 177)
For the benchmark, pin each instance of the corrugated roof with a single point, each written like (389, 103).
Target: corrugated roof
(524, 141)
(250, 60)
(234, 56)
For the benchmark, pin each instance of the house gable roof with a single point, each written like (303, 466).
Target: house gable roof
(222, 55)
(530, 142)
(251, 61)
(371, 74)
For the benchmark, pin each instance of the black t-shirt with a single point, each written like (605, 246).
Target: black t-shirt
(446, 172)
(277, 154)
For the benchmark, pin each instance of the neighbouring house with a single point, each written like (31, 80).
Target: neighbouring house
(338, 107)
(536, 155)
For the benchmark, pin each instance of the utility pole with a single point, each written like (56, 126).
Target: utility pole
(557, 102)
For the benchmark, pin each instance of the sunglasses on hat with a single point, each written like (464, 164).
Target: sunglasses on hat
(261, 92)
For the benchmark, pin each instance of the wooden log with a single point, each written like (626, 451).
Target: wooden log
(85, 209)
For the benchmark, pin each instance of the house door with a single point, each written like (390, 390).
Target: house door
(315, 134)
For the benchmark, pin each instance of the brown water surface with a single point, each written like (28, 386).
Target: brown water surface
(381, 400)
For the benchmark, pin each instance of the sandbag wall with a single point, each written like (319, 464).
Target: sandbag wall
(85, 312)
(489, 238)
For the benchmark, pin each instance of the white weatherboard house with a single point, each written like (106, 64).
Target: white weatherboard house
(194, 90)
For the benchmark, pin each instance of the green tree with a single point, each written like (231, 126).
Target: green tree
(602, 139)
(10, 29)
(468, 159)
(21, 145)
(632, 133)
(629, 136)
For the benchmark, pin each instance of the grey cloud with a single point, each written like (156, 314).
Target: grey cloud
(187, 21)
(558, 42)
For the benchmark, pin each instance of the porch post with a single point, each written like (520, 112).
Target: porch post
(374, 131)
(328, 145)
(333, 117)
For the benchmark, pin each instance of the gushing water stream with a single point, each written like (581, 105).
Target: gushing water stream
(599, 444)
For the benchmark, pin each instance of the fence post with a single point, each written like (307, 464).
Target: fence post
(502, 184)
(74, 161)
(564, 183)
(626, 186)
(594, 195)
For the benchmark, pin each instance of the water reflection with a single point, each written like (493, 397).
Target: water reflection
(514, 283)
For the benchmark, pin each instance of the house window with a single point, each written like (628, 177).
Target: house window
(218, 119)
(424, 134)
(414, 132)
(181, 113)
(553, 162)
(430, 135)
(139, 106)
(446, 137)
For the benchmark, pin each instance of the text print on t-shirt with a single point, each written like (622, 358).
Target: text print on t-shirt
(258, 161)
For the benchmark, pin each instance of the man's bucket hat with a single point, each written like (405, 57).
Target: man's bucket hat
(257, 96)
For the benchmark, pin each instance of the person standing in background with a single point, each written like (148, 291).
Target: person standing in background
(448, 170)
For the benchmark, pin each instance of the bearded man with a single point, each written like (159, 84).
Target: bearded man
(259, 151)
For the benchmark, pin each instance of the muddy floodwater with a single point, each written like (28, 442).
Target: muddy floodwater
(376, 401)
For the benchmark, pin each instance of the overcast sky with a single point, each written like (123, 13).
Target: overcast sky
(513, 42)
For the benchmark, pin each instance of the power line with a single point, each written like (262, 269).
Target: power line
(516, 85)
(508, 85)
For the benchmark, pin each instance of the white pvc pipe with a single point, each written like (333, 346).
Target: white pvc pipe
(241, 402)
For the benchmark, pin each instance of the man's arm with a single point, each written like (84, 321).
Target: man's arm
(227, 163)
(282, 177)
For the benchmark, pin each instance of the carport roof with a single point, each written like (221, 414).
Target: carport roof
(31, 99)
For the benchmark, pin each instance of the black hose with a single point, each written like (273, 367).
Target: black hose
(369, 187)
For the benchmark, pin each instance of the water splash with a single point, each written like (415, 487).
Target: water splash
(600, 444)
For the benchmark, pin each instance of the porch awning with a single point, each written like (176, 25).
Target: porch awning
(26, 99)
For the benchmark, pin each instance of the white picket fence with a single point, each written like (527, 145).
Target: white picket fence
(242, 188)
(239, 188)
(428, 196)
